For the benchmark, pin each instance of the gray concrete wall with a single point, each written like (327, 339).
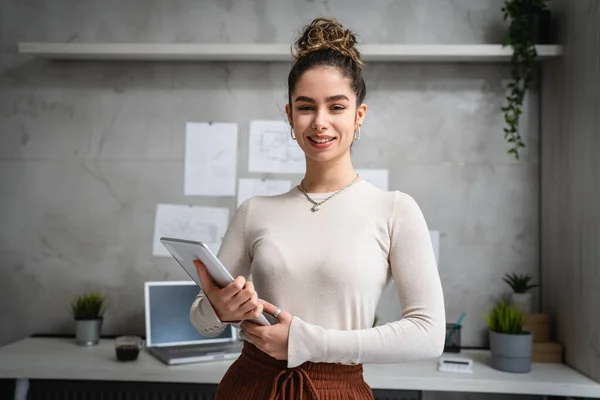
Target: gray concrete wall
(570, 185)
(87, 149)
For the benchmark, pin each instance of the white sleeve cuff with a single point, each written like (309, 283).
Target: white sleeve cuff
(305, 343)
(313, 343)
(205, 319)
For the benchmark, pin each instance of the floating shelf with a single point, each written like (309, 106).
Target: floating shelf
(269, 52)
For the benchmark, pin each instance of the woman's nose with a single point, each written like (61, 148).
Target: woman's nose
(320, 122)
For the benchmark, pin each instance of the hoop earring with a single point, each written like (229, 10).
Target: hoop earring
(357, 134)
(292, 133)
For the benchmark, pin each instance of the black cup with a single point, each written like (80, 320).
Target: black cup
(128, 348)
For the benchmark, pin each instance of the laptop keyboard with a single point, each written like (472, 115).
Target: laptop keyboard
(202, 349)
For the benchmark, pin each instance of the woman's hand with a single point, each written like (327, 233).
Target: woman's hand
(273, 339)
(235, 302)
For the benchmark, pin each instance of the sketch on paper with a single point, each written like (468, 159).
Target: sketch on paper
(248, 188)
(272, 149)
(210, 159)
(205, 224)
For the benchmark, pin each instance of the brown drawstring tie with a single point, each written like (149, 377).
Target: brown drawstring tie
(294, 379)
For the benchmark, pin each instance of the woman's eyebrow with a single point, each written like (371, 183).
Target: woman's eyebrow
(337, 97)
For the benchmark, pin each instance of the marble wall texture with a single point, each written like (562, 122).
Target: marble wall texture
(570, 187)
(87, 149)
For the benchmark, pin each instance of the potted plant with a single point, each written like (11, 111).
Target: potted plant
(529, 24)
(510, 345)
(520, 297)
(88, 310)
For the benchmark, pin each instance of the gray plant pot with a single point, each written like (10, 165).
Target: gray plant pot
(511, 353)
(87, 332)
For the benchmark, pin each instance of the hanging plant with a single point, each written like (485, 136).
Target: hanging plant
(525, 16)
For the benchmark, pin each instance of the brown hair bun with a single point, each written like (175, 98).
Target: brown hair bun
(327, 33)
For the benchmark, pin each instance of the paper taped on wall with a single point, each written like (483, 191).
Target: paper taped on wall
(206, 224)
(272, 149)
(210, 159)
(248, 188)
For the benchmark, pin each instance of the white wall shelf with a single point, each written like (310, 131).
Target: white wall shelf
(269, 52)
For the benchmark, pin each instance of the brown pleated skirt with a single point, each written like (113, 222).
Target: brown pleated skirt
(256, 375)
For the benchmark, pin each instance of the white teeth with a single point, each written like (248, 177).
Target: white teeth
(321, 140)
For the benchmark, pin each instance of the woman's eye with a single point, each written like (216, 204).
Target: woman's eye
(333, 108)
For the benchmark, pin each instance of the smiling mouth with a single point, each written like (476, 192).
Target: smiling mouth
(320, 141)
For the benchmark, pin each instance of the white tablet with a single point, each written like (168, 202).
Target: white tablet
(186, 251)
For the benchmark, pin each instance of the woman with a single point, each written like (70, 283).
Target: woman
(323, 252)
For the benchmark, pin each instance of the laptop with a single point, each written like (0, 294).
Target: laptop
(171, 337)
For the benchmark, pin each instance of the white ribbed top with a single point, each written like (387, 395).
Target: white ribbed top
(329, 268)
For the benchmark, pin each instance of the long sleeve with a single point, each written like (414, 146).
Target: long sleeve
(235, 256)
(418, 335)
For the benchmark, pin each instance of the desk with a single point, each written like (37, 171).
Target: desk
(61, 359)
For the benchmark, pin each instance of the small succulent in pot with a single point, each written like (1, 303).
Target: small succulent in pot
(520, 285)
(88, 311)
(511, 347)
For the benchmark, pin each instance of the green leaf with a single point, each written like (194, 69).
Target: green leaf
(90, 305)
(523, 62)
(504, 318)
(519, 283)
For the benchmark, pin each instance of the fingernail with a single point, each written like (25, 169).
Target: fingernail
(262, 301)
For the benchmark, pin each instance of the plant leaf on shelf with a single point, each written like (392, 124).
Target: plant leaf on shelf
(523, 62)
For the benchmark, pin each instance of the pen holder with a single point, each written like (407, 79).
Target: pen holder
(452, 343)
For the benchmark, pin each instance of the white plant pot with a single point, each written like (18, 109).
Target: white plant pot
(522, 301)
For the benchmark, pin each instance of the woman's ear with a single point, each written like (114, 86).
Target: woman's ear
(288, 111)
(361, 112)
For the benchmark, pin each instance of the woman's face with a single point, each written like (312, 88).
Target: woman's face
(323, 114)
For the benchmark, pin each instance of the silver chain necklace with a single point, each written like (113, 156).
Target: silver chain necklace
(317, 204)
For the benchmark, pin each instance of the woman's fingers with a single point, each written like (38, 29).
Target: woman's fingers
(249, 305)
(270, 308)
(247, 293)
(234, 287)
(208, 285)
(254, 339)
(253, 313)
(249, 286)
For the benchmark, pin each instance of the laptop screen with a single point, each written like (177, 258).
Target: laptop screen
(168, 316)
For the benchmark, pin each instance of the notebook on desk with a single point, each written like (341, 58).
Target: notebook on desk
(170, 336)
